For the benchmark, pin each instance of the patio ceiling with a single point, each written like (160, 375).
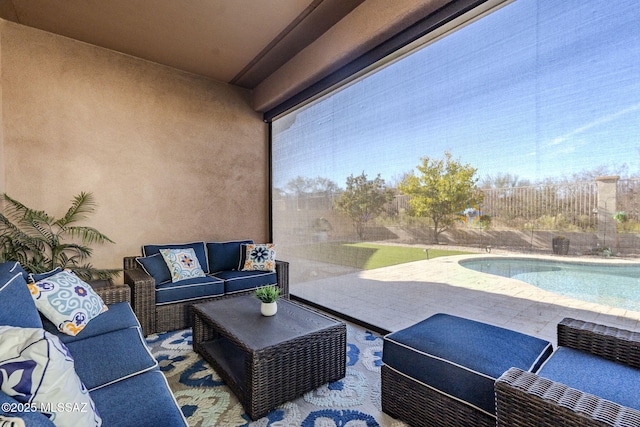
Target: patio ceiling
(240, 42)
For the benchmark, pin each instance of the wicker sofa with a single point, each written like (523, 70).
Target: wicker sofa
(109, 356)
(162, 305)
(592, 379)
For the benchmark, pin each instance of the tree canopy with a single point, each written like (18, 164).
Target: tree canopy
(441, 191)
(364, 200)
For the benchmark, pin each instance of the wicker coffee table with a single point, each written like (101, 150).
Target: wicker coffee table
(267, 361)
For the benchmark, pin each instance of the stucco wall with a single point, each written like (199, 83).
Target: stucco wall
(169, 156)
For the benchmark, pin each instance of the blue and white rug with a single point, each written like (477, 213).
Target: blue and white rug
(206, 401)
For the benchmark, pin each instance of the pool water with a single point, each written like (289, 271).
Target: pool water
(608, 284)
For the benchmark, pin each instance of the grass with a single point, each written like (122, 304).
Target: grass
(367, 256)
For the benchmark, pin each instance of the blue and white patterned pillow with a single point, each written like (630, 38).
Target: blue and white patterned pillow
(257, 257)
(67, 301)
(182, 263)
(37, 369)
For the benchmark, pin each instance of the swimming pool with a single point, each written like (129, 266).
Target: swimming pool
(609, 284)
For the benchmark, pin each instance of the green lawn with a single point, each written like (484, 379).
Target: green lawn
(367, 256)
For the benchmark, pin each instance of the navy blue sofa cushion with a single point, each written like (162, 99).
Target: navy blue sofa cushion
(461, 357)
(156, 267)
(238, 281)
(16, 304)
(109, 358)
(594, 375)
(224, 256)
(198, 248)
(119, 316)
(143, 400)
(13, 267)
(36, 277)
(189, 289)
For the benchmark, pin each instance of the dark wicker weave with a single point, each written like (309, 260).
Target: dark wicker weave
(174, 316)
(525, 399)
(111, 293)
(267, 361)
(419, 405)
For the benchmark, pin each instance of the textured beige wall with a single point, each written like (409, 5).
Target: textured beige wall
(170, 157)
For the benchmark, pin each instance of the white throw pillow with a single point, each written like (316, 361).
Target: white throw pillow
(257, 257)
(182, 263)
(37, 369)
(67, 301)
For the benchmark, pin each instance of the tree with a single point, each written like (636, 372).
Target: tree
(37, 239)
(442, 191)
(363, 200)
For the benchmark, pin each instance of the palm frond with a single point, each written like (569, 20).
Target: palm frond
(82, 204)
(88, 235)
(80, 252)
(19, 212)
(35, 239)
(44, 230)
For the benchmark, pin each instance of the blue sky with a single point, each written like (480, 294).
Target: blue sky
(537, 89)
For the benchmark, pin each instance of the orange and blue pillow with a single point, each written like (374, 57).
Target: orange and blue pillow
(182, 264)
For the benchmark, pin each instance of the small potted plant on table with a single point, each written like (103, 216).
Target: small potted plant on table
(269, 296)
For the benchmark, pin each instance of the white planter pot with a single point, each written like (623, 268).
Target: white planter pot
(269, 308)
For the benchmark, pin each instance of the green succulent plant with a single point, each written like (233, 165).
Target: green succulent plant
(269, 293)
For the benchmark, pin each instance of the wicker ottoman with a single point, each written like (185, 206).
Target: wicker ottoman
(442, 371)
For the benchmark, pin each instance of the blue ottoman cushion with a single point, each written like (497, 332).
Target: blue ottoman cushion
(594, 375)
(462, 358)
(238, 281)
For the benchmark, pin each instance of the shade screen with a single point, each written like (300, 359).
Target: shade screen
(538, 93)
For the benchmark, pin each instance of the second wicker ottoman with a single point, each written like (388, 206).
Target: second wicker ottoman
(442, 371)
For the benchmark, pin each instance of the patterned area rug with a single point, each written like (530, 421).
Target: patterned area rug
(206, 401)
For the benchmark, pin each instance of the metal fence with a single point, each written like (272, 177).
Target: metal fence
(628, 198)
(569, 206)
(561, 206)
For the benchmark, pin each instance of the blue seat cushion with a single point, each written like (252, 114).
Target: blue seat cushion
(238, 281)
(142, 401)
(108, 358)
(594, 375)
(189, 289)
(224, 256)
(16, 304)
(462, 358)
(198, 248)
(119, 316)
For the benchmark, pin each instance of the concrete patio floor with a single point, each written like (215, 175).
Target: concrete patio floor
(395, 297)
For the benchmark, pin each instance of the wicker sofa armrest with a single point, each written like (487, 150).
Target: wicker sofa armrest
(111, 293)
(282, 271)
(143, 296)
(618, 345)
(526, 399)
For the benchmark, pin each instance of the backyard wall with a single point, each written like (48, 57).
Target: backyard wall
(169, 156)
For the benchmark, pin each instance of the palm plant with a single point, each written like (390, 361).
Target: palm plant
(39, 241)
